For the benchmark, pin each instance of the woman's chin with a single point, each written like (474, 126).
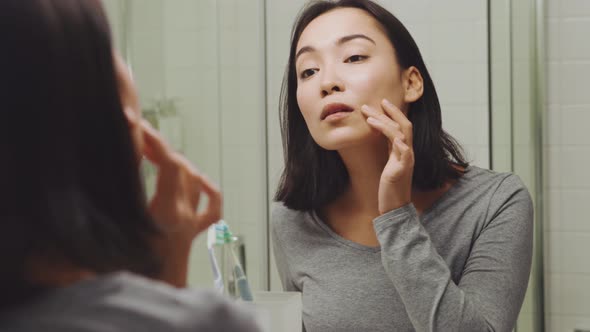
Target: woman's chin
(341, 140)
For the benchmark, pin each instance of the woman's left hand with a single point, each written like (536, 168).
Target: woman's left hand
(395, 185)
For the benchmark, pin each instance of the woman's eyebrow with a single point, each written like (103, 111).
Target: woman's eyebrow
(304, 49)
(342, 40)
(348, 38)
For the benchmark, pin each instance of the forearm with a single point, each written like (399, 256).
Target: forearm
(485, 299)
(419, 274)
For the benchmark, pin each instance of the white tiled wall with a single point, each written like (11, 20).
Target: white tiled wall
(214, 62)
(452, 36)
(113, 11)
(567, 181)
(243, 129)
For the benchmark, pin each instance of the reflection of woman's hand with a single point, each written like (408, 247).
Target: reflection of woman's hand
(395, 185)
(174, 206)
(178, 191)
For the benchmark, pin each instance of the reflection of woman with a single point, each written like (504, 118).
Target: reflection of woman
(72, 209)
(383, 225)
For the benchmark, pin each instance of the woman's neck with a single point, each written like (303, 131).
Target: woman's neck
(364, 164)
(55, 273)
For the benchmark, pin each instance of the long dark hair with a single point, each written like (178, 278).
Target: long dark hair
(314, 176)
(70, 187)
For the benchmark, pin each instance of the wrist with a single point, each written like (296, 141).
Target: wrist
(383, 209)
(394, 196)
(174, 256)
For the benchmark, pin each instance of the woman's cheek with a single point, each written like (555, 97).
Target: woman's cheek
(306, 107)
(372, 89)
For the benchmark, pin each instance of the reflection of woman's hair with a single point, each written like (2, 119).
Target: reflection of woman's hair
(314, 176)
(70, 185)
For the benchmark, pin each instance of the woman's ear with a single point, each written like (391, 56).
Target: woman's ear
(413, 84)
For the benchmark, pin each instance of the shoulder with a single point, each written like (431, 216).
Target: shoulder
(507, 194)
(510, 185)
(294, 230)
(196, 308)
(502, 186)
(495, 184)
(512, 198)
(476, 177)
(284, 219)
(132, 303)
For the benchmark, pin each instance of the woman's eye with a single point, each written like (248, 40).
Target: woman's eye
(356, 58)
(307, 73)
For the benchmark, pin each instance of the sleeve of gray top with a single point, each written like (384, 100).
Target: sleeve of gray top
(281, 261)
(494, 281)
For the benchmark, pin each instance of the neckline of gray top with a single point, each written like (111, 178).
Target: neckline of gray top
(427, 214)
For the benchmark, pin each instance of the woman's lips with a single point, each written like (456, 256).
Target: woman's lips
(335, 111)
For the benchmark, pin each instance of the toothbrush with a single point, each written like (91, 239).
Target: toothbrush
(243, 285)
(211, 240)
(224, 236)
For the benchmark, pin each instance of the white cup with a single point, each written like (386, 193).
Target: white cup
(277, 311)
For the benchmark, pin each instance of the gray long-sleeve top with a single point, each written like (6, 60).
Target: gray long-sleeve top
(462, 265)
(124, 302)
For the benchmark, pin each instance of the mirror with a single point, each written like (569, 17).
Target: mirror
(209, 74)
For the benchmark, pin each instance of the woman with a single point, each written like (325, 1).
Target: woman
(78, 242)
(383, 225)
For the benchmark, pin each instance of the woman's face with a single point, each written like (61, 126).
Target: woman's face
(343, 61)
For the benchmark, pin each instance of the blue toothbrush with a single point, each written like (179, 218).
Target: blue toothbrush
(222, 235)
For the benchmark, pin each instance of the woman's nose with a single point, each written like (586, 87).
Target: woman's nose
(330, 84)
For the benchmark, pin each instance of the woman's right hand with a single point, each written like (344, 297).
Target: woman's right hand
(179, 190)
(395, 185)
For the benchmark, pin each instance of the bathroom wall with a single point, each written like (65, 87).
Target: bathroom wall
(567, 156)
(452, 36)
(214, 64)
